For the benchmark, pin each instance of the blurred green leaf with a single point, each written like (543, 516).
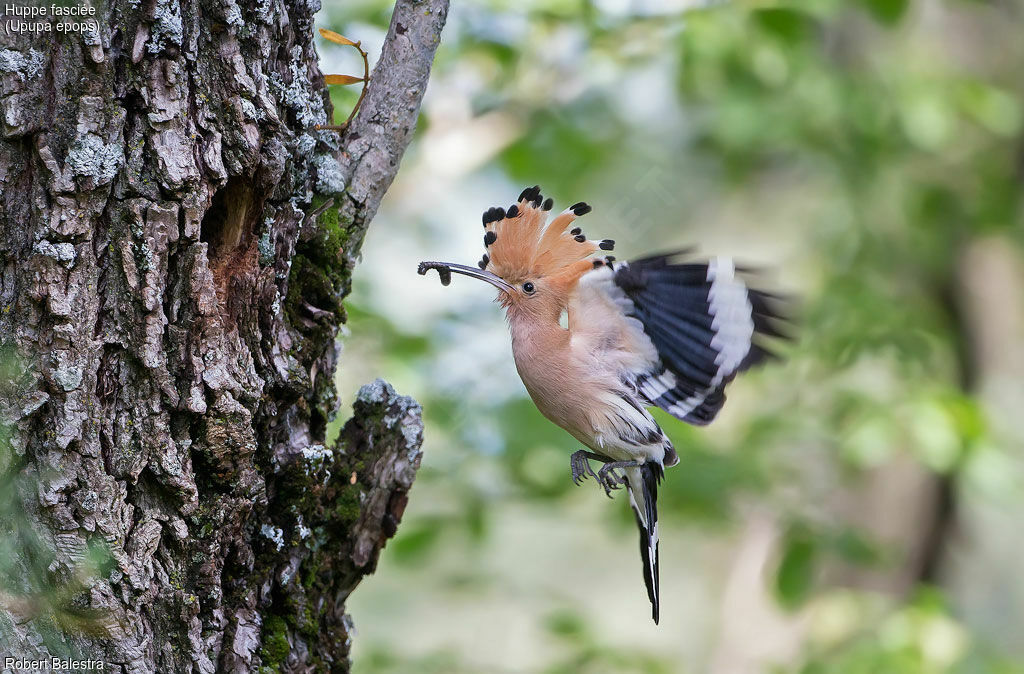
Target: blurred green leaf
(566, 625)
(887, 11)
(794, 577)
(853, 547)
(415, 540)
(790, 24)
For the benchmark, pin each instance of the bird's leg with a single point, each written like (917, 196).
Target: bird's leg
(609, 479)
(580, 465)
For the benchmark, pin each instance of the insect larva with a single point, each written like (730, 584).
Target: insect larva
(443, 272)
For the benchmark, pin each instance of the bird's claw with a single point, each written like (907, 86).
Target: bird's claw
(579, 463)
(610, 480)
(607, 477)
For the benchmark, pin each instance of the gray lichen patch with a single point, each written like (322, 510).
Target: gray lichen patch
(275, 534)
(167, 27)
(69, 378)
(26, 66)
(251, 111)
(298, 93)
(305, 144)
(265, 245)
(91, 157)
(62, 252)
(233, 15)
(329, 179)
(264, 10)
(318, 457)
(412, 433)
(376, 391)
(68, 373)
(316, 453)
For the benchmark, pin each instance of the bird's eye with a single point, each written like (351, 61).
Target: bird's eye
(529, 288)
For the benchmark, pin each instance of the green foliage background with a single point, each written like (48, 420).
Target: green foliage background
(858, 148)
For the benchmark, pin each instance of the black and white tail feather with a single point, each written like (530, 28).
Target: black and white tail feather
(642, 485)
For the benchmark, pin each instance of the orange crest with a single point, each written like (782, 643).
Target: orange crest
(521, 244)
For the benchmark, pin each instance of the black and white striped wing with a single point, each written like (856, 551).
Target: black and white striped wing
(705, 323)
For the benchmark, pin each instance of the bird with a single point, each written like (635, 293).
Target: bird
(664, 331)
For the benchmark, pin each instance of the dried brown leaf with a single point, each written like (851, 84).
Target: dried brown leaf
(335, 37)
(342, 79)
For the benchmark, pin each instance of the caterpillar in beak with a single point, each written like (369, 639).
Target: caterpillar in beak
(444, 272)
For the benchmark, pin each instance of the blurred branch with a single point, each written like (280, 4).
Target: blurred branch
(983, 301)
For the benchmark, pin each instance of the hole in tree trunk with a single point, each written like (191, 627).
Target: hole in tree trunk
(227, 228)
(228, 221)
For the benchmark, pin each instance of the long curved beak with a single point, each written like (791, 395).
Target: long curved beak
(444, 270)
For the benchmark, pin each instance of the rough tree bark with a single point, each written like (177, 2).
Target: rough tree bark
(172, 276)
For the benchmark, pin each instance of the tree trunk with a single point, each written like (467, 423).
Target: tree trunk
(172, 269)
(979, 561)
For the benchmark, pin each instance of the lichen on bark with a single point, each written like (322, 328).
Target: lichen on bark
(173, 287)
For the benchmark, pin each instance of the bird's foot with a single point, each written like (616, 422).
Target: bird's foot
(609, 477)
(579, 462)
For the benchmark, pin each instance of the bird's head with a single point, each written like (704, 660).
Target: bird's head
(535, 264)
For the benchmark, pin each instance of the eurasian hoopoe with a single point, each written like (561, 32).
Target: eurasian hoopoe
(653, 331)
